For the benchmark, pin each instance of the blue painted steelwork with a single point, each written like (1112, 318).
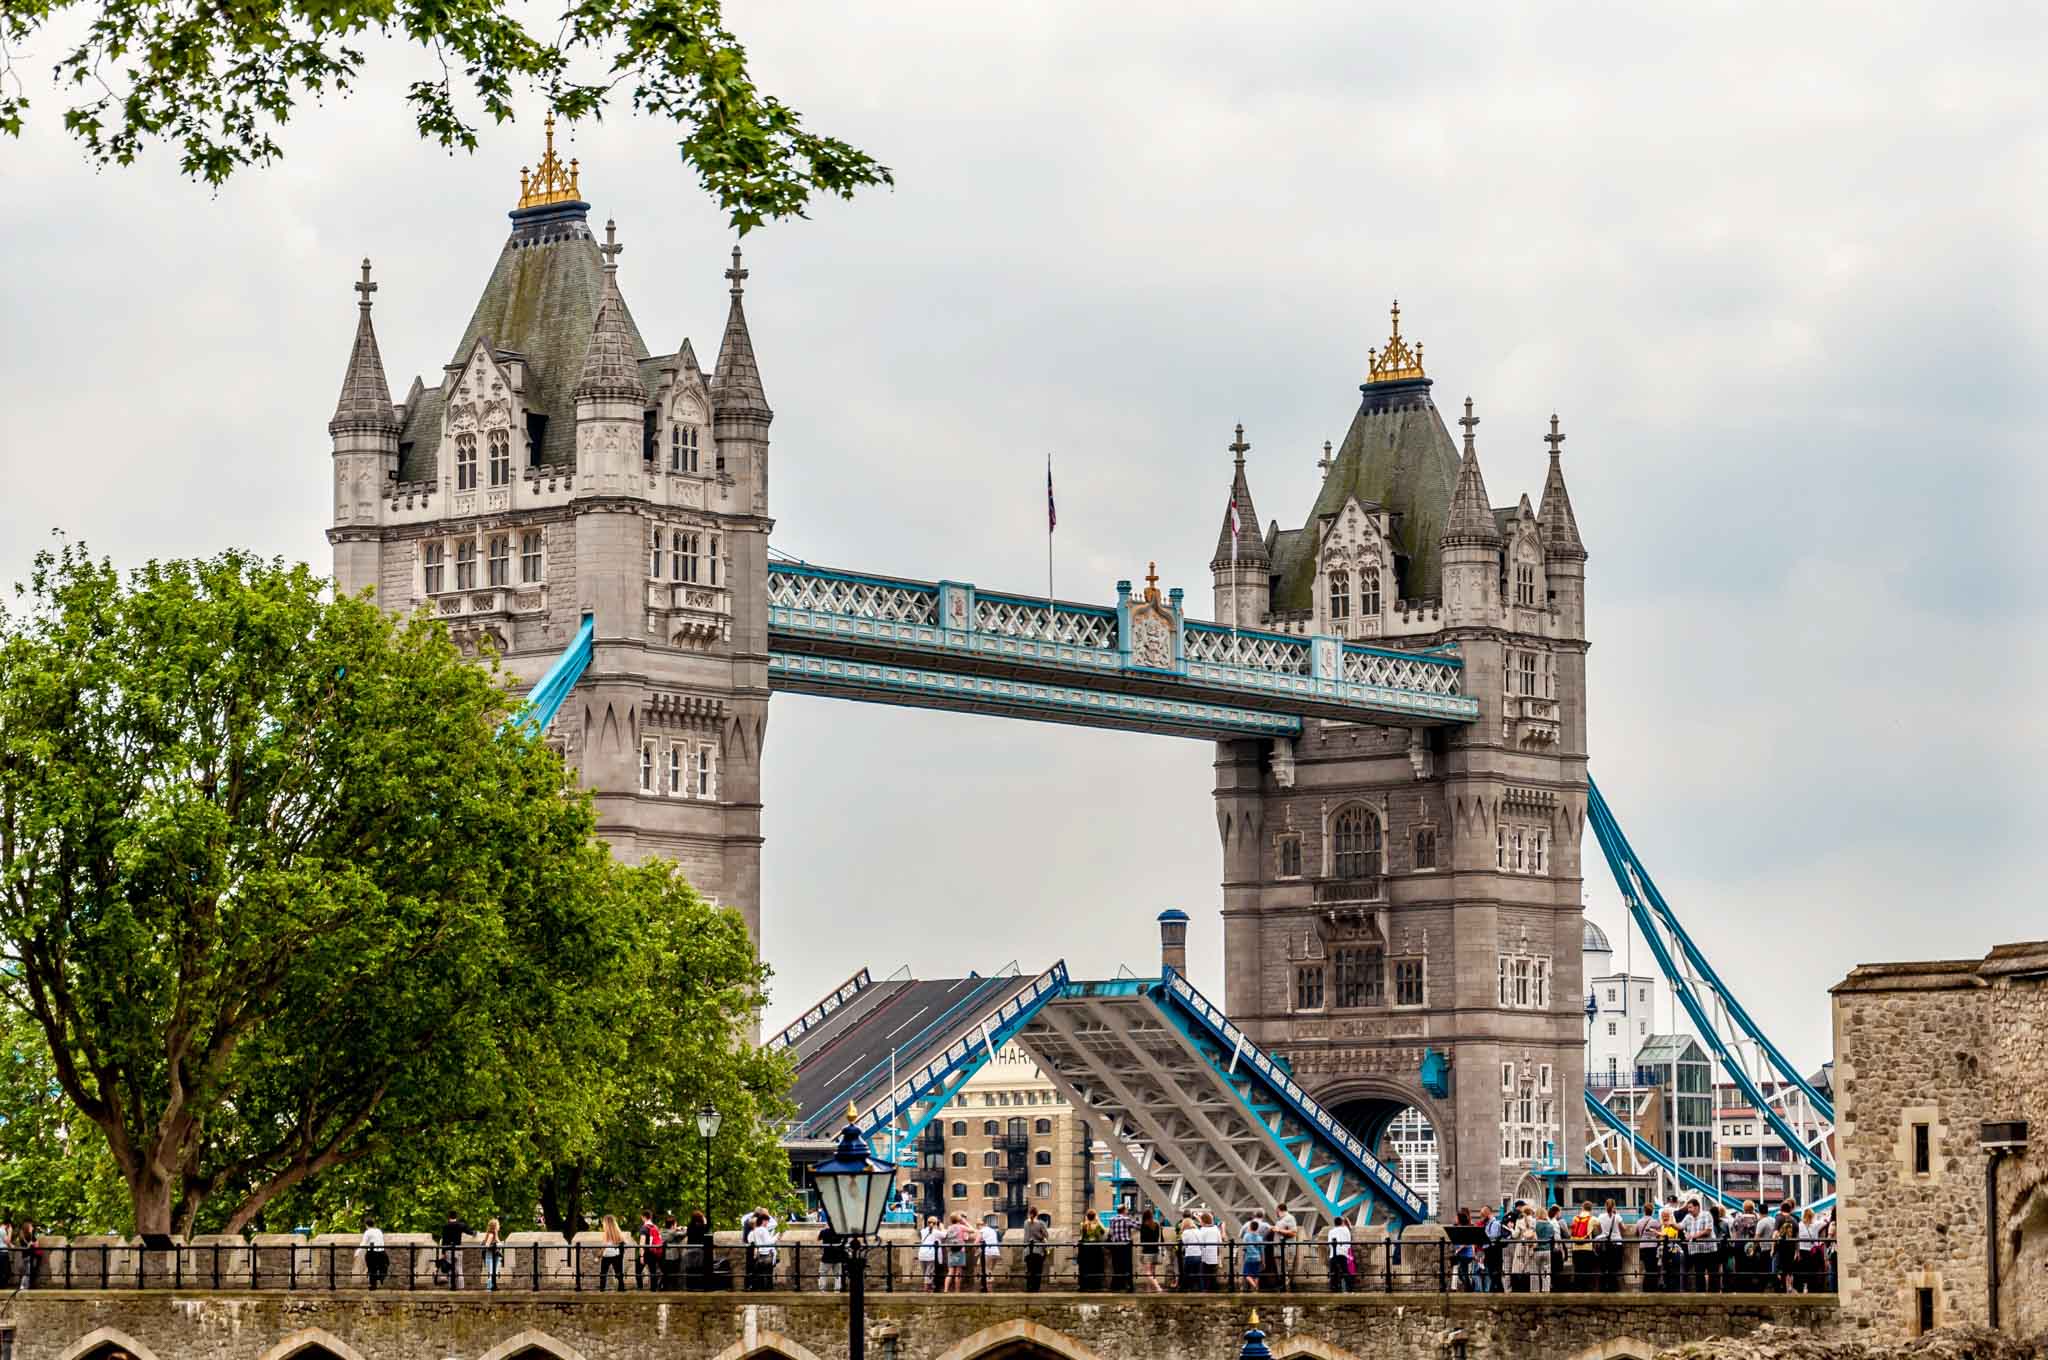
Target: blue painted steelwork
(1654, 917)
(877, 682)
(938, 1027)
(801, 1026)
(545, 699)
(1272, 1098)
(962, 1058)
(1649, 1152)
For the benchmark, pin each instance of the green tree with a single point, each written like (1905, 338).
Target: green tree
(54, 1165)
(276, 885)
(218, 80)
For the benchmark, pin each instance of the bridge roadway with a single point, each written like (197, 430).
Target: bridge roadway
(1139, 665)
(164, 1324)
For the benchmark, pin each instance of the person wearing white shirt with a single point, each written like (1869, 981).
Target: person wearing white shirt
(1212, 1249)
(375, 1261)
(991, 1253)
(761, 1253)
(1340, 1257)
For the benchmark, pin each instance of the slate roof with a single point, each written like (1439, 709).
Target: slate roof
(365, 402)
(1250, 548)
(1397, 455)
(541, 300)
(1560, 525)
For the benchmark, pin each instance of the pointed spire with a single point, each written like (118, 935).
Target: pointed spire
(365, 396)
(1249, 547)
(736, 383)
(610, 367)
(1560, 527)
(1470, 517)
(1326, 462)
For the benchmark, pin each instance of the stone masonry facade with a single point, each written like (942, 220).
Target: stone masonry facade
(1924, 1054)
(164, 1325)
(1401, 905)
(558, 471)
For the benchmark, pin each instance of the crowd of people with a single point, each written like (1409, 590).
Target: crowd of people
(1696, 1246)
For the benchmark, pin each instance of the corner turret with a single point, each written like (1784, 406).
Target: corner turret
(1470, 545)
(741, 414)
(1564, 553)
(365, 434)
(1242, 566)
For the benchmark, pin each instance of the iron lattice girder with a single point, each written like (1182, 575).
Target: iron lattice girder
(943, 644)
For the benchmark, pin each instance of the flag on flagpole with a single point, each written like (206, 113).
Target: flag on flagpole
(1234, 529)
(1052, 514)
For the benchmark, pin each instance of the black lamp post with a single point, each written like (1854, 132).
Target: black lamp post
(855, 1190)
(708, 1120)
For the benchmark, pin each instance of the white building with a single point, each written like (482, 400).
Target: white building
(1412, 1141)
(1624, 1013)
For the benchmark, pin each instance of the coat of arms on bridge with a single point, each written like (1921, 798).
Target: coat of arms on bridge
(1153, 624)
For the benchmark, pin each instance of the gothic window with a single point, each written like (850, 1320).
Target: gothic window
(1515, 859)
(1500, 847)
(682, 447)
(647, 767)
(711, 560)
(1289, 855)
(434, 561)
(1525, 584)
(1519, 975)
(465, 462)
(676, 785)
(655, 560)
(683, 556)
(1369, 592)
(1356, 837)
(1541, 999)
(1340, 595)
(465, 566)
(501, 560)
(1408, 984)
(529, 556)
(707, 771)
(1425, 847)
(501, 458)
(1535, 852)
(1308, 987)
(1528, 673)
(1361, 977)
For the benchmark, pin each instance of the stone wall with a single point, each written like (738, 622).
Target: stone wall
(166, 1325)
(1947, 1045)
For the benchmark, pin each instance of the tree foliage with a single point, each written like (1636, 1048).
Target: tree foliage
(283, 896)
(220, 80)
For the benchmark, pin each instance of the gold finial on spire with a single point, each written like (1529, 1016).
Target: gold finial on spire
(852, 1113)
(1255, 1317)
(1400, 360)
(551, 182)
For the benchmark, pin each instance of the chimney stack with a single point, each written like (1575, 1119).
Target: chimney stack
(1173, 940)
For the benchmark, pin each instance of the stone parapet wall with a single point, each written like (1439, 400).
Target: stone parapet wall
(167, 1325)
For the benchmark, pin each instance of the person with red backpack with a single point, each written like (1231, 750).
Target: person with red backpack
(647, 1269)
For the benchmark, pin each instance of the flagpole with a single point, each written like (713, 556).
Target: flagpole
(1051, 522)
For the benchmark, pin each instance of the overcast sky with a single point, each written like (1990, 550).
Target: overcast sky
(1778, 268)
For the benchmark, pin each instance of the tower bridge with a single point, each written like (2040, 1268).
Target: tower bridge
(1396, 690)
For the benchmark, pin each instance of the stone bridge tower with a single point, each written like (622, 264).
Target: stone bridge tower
(1402, 905)
(557, 470)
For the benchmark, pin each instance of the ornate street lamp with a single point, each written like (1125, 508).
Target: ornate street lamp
(855, 1190)
(708, 1120)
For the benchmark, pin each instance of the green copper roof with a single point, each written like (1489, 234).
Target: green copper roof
(1398, 455)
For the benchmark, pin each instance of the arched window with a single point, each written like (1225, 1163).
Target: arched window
(1045, 1189)
(1369, 591)
(682, 446)
(1356, 839)
(434, 558)
(465, 462)
(1042, 1126)
(1042, 1157)
(990, 1127)
(990, 1190)
(465, 565)
(959, 1128)
(959, 1159)
(501, 560)
(1340, 594)
(501, 458)
(990, 1159)
(959, 1190)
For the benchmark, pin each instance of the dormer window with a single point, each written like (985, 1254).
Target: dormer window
(1525, 584)
(1369, 591)
(465, 462)
(682, 448)
(1340, 595)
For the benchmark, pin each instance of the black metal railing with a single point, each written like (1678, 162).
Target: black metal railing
(1377, 1266)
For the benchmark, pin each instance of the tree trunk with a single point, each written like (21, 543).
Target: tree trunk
(150, 1193)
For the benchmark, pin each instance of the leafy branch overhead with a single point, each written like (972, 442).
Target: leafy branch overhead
(221, 81)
